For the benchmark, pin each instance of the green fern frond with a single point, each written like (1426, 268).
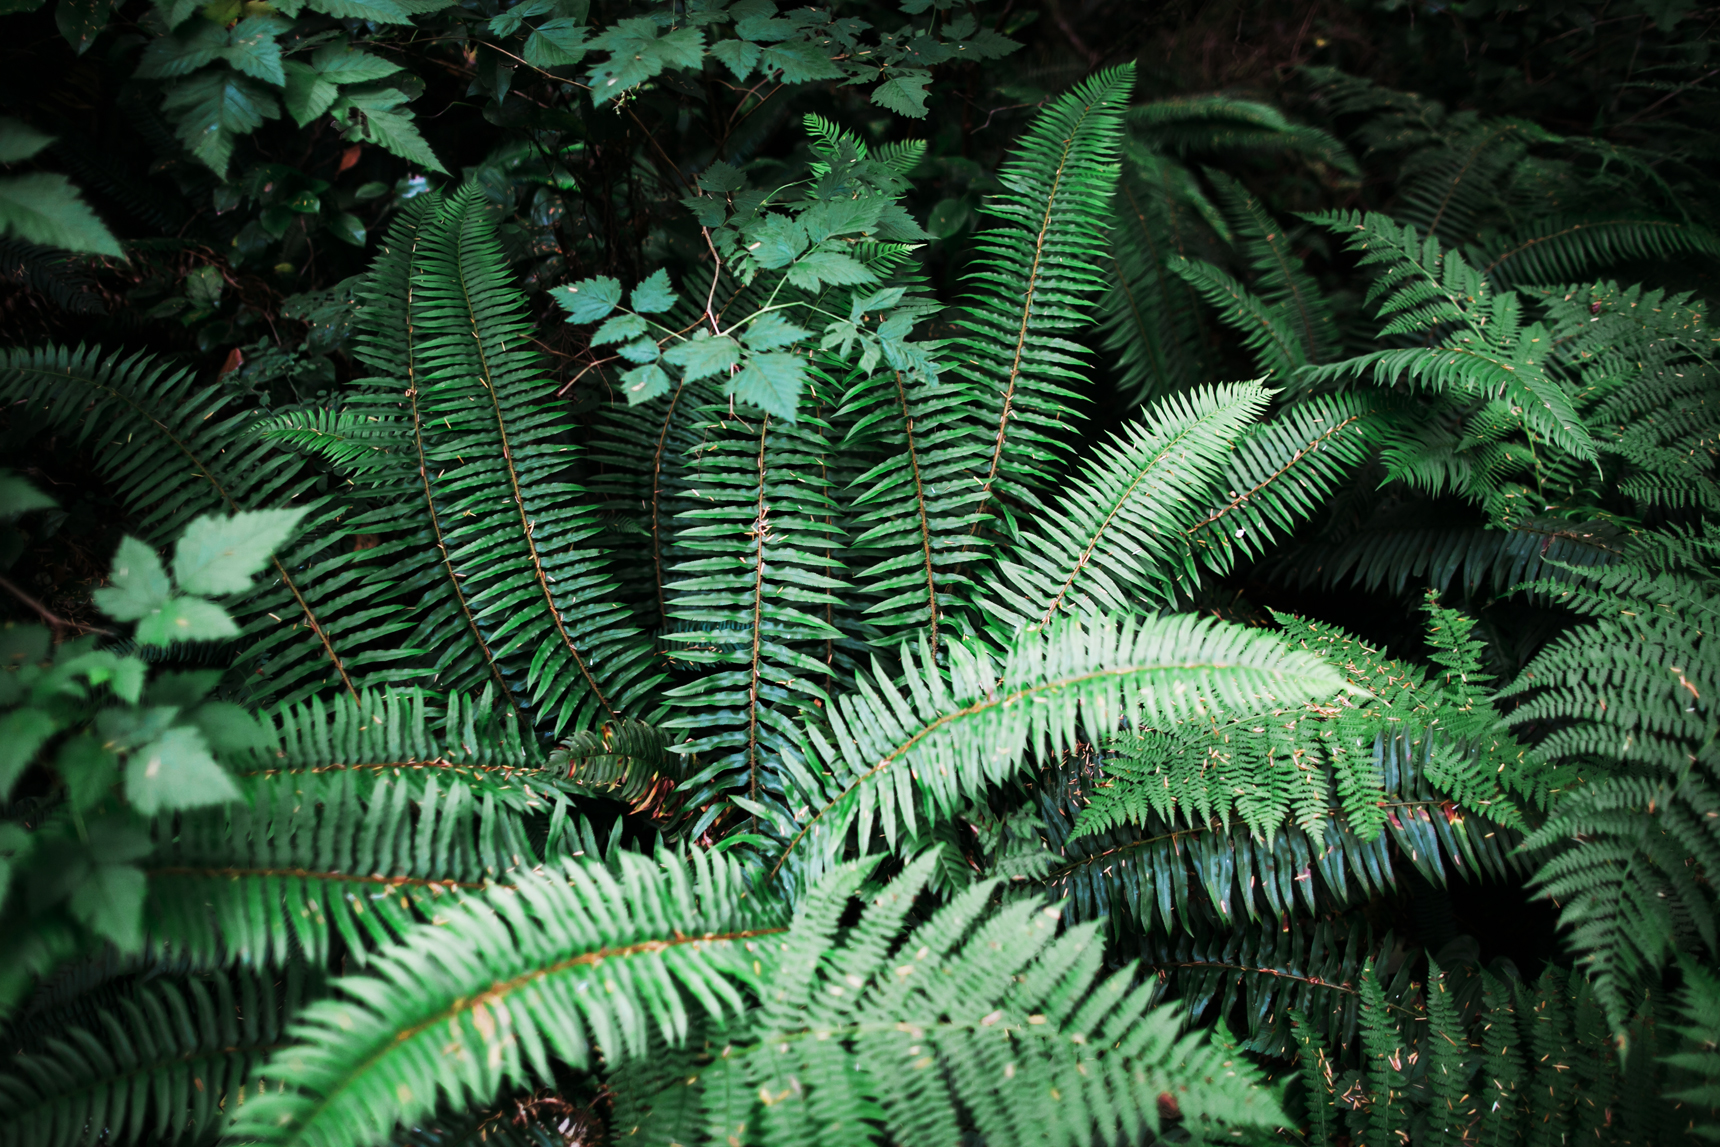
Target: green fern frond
(1279, 277)
(166, 1064)
(986, 1013)
(1032, 280)
(1265, 331)
(630, 762)
(1115, 534)
(899, 754)
(1698, 1060)
(571, 964)
(1223, 123)
(1559, 249)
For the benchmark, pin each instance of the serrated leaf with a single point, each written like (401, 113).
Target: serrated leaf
(80, 21)
(251, 48)
(641, 384)
(819, 267)
(771, 382)
(230, 728)
(45, 208)
(904, 93)
(214, 108)
(218, 556)
(18, 496)
(369, 114)
(346, 65)
(138, 584)
(704, 355)
(308, 94)
(799, 62)
(720, 178)
(22, 732)
(637, 53)
(775, 241)
(589, 299)
(377, 11)
(639, 350)
(619, 328)
(109, 902)
(176, 771)
(653, 296)
(20, 141)
(739, 56)
(556, 43)
(770, 331)
(185, 619)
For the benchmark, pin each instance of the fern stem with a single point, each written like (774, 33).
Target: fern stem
(320, 875)
(657, 497)
(761, 526)
(430, 495)
(485, 379)
(1240, 500)
(920, 506)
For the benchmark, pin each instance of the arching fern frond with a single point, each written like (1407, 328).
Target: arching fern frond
(1115, 535)
(570, 965)
(897, 754)
(1559, 249)
(166, 1064)
(974, 1017)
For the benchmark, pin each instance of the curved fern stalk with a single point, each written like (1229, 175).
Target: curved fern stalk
(570, 965)
(1559, 249)
(1280, 472)
(1116, 532)
(1033, 279)
(1148, 316)
(259, 880)
(1446, 189)
(509, 594)
(757, 595)
(898, 754)
(988, 1013)
(167, 1064)
(176, 450)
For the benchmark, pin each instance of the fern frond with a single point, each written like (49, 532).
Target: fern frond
(896, 754)
(1115, 533)
(1280, 472)
(166, 1064)
(1033, 278)
(1266, 332)
(985, 1013)
(1557, 249)
(571, 964)
(630, 762)
(1279, 278)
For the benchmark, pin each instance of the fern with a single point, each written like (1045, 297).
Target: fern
(162, 1065)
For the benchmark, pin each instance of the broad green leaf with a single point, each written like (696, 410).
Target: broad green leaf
(124, 675)
(22, 732)
(775, 241)
(653, 296)
(904, 93)
(182, 52)
(770, 331)
(45, 208)
(346, 227)
(771, 382)
(948, 217)
(818, 267)
(176, 771)
(230, 728)
(589, 299)
(183, 689)
(308, 94)
(185, 619)
(704, 355)
(799, 62)
(618, 328)
(18, 496)
(138, 584)
(346, 65)
(109, 902)
(80, 21)
(377, 11)
(251, 48)
(89, 769)
(377, 122)
(20, 141)
(218, 556)
(841, 217)
(213, 108)
(720, 178)
(637, 53)
(644, 383)
(741, 56)
(556, 44)
(639, 350)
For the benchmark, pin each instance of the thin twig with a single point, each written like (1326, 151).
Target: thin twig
(53, 619)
